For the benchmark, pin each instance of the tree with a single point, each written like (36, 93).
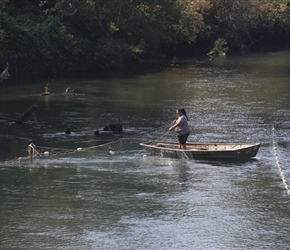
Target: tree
(51, 37)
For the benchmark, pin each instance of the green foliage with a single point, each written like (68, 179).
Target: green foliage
(48, 37)
(248, 21)
(219, 48)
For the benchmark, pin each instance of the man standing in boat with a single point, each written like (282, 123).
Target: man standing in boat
(181, 127)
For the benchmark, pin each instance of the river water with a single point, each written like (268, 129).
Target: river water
(150, 202)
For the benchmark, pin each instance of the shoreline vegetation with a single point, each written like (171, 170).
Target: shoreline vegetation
(49, 38)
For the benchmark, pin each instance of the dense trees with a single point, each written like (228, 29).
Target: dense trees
(57, 36)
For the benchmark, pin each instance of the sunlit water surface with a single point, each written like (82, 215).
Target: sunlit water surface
(146, 202)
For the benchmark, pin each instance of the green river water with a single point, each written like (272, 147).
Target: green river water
(137, 202)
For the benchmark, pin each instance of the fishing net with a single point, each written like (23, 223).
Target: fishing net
(127, 146)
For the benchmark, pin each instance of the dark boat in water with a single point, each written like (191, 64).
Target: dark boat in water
(207, 151)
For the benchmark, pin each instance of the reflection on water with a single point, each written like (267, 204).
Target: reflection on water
(146, 202)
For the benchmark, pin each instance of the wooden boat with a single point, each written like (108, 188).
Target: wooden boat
(208, 151)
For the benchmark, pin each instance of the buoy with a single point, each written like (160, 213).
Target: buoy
(46, 153)
(79, 149)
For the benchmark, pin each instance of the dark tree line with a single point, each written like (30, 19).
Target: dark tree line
(50, 37)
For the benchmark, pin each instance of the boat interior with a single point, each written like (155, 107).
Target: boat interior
(207, 146)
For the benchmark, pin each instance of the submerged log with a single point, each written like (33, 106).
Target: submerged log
(23, 117)
(115, 128)
(109, 130)
(7, 119)
(5, 74)
(103, 133)
(68, 131)
(26, 114)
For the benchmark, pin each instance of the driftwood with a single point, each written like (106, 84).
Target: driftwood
(22, 117)
(7, 119)
(115, 128)
(109, 130)
(26, 114)
(5, 74)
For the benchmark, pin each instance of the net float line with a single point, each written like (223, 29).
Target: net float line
(121, 146)
(278, 163)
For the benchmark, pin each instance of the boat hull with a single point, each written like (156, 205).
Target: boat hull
(206, 151)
